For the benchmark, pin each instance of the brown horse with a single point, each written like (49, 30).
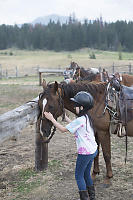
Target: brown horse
(125, 79)
(91, 74)
(56, 97)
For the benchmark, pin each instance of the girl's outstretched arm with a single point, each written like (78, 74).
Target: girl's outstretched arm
(50, 117)
(67, 119)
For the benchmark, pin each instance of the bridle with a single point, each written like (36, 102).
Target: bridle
(60, 106)
(77, 74)
(106, 99)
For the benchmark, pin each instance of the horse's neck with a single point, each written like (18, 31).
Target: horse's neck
(98, 77)
(69, 92)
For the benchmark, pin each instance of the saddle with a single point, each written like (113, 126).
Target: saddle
(125, 103)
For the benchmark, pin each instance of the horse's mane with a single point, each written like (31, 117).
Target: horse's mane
(90, 77)
(71, 89)
(94, 88)
(47, 90)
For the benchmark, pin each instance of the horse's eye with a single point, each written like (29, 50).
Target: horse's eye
(51, 107)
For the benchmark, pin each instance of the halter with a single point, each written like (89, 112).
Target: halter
(60, 105)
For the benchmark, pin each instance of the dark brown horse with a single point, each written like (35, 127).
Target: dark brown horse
(90, 75)
(56, 97)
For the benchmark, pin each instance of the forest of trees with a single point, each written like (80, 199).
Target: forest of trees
(69, 36)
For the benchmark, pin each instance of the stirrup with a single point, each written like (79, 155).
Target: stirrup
(121, 130)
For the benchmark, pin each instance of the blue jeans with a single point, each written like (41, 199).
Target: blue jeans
(83, 170)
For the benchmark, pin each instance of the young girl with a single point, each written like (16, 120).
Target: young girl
(82, 128)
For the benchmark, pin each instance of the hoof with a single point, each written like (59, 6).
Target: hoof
(109, 175)
(94, 175)
(94, 172)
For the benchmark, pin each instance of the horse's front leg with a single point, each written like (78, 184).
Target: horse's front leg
(104, 138)
(96, 161)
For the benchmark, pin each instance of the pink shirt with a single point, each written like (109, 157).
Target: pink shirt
(85, 139)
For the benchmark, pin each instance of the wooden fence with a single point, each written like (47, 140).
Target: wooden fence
(111, 70)
(14, 121)
(49, 71)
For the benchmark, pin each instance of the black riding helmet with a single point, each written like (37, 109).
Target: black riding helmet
(84, 99)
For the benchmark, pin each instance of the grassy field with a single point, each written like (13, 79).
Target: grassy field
(17, 91)
(28, 62)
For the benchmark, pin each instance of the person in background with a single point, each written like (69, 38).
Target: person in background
(105, 77)
(82, 129)
(67, 73)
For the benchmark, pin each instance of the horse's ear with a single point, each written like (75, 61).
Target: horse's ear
(55, 86)
(44, 84)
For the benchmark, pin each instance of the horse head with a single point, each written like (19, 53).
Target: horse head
(50, 100)
(115, 83)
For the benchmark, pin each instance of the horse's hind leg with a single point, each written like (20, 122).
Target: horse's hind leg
(104, 138)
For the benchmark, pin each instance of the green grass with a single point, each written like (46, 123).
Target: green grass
(29, 80)
(54, 164)
(28, 62)
(51, 57)
(28, 179)
(23, 184)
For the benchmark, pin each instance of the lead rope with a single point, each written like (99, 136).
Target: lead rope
(126, 131)
(50, 137)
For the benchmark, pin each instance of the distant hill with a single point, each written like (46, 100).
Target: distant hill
(46, 19)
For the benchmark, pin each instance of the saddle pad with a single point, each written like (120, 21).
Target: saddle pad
(126, 104)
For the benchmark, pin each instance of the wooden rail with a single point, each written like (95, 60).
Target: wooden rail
(14, 121)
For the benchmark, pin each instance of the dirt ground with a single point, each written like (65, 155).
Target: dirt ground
(19, 181)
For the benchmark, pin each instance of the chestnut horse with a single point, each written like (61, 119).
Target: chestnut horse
(56, 97)
(125, 79)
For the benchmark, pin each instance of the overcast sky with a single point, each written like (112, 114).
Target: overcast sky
(23, 11)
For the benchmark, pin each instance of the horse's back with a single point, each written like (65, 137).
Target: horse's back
(127, 79)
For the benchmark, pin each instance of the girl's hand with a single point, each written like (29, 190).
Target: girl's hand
(48, 115)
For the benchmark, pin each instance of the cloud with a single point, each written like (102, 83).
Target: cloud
(21, 11)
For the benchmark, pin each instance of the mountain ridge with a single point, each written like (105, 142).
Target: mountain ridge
(53, 17)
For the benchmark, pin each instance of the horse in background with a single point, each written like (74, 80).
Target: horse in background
(124, 79)
(91, 74)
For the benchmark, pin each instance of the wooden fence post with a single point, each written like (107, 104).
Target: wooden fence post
(130, 68)
(16, 72)
(41, 150)
(6, 73)
(0, 71)
(113, 68)
(40, 78)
